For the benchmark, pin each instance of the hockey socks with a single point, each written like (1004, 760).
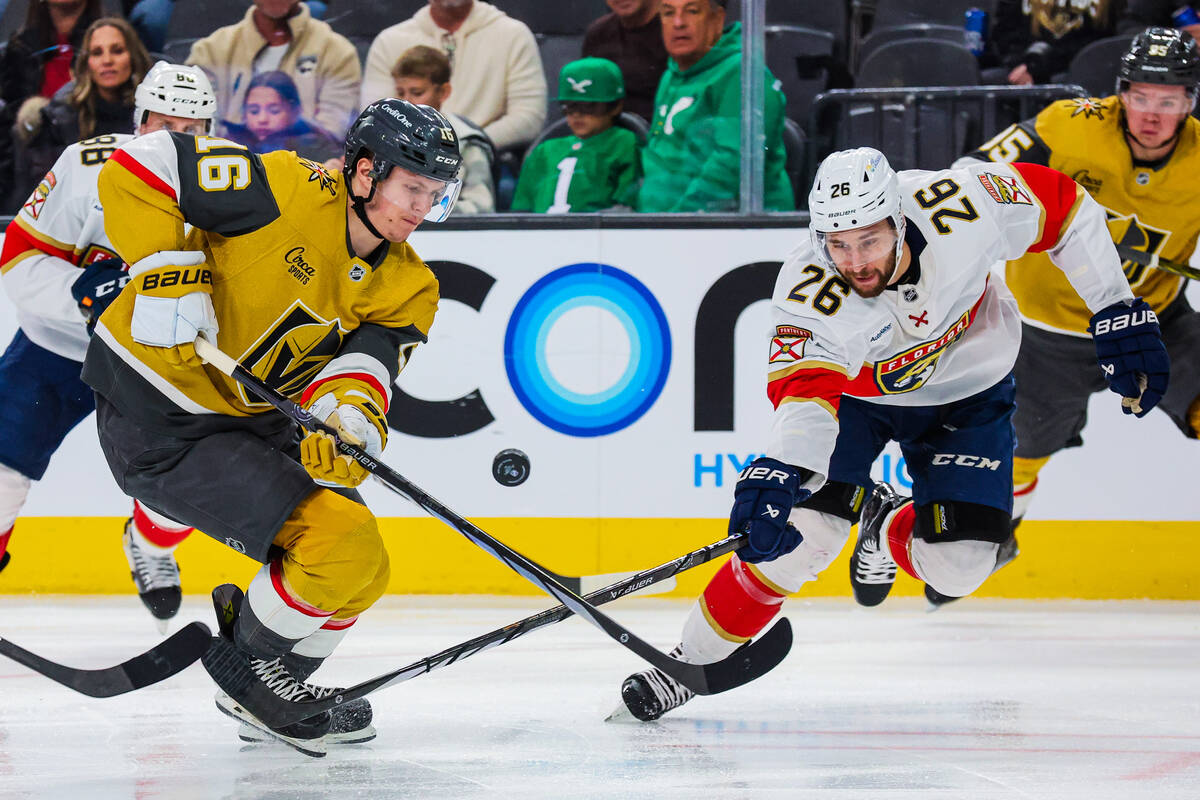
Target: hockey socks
(4, 556)
(156, 531)
(735, 606)
(898, 533)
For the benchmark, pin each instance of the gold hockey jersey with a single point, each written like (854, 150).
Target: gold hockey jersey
(295, 306)
(1155, 209)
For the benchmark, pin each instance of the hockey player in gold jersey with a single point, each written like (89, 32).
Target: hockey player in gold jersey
(1137, 153)
(306, 278)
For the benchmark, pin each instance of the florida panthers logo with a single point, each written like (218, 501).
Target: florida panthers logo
(292, 351)
(912, 369)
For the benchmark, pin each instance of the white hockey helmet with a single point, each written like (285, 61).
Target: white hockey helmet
(175, 90)
(853, 189)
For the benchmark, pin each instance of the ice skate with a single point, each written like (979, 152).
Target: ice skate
(651, 693)
(872, 570)
(156, 577)
(248, 682)
(349, 723)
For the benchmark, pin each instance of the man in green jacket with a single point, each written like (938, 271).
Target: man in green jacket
(693, 159)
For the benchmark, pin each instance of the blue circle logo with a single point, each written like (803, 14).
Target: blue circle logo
(622, 403)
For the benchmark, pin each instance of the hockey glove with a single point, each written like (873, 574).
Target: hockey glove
(98, 285)
(173, 305)
(764, 496)
(356, 411)
(1131, 353)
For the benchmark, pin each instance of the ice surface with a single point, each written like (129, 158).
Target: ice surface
(997, 699)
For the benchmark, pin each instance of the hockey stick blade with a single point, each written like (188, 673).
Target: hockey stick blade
(160, 662)
(285, 713)
(746, 664)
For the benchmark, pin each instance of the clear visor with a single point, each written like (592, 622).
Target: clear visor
(857, 248)
(1171, 105)
(431, 198)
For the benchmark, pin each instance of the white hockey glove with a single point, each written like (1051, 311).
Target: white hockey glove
(173, 304)
(355, 410)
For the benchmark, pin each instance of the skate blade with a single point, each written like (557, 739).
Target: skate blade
(252, 735)
(163, 626)
(314, 748)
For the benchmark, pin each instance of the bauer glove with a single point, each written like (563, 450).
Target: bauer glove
(1130, 350)
(98, 285)
(173, 305)
(357, 412)
(763, 499)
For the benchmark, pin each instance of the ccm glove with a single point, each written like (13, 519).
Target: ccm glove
(356, 411)
(762, 500)
(98, 285)
(1130, 350)
(173, 304)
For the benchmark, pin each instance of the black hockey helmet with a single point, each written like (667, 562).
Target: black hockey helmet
(397, 133)
(1160, 55)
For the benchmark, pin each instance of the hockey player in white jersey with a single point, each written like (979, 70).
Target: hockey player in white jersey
(889, 325)
(61, 272)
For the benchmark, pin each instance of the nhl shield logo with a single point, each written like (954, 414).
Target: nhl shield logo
(357, 272)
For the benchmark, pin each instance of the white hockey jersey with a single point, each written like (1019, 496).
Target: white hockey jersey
(58, 230)
(953, 332)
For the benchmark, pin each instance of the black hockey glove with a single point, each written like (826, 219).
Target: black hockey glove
(1131, 353)
(97, 286)
(764, 496)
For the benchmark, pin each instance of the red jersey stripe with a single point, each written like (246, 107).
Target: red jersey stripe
(1058, 195)
(149, 178)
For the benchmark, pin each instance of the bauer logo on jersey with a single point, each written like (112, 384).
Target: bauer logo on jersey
(1006, 189)
(788, 343)
(913, 368)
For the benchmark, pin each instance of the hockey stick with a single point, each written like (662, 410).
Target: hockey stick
(285, 713)
(742, 666)
(1154, 262)
(160, 662)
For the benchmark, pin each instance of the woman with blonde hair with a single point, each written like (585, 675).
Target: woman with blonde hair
(108, 66)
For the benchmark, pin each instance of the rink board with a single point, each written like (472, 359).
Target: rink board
(628, 363)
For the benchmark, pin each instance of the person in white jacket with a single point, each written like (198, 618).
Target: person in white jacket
(496, 67)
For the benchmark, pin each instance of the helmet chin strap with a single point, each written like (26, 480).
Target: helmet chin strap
(360, 208)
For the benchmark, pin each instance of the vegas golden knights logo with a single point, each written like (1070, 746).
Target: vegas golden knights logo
(292, 352)
(1132, 232)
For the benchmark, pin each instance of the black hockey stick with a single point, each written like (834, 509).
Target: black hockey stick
(285, 713)
(1153, 261)
(160, 662)
(744, 665)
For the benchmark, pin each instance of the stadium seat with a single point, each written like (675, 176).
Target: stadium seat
(1095, 66)
(195, 19)
(918, 62)
(801, 58)
(918, 30)
(556, 51)
(553, 16)
(890, 13)
(559, 128)
(827, 15)
(364, 19)
(793, 147)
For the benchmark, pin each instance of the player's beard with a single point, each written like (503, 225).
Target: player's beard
(884, 274)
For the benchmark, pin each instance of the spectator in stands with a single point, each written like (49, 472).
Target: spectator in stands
(109, 64)
(282, 35)
(273, 121)
(494, 59)
(422, 76)
(37, 61)
(595, 168)
(1033, 41)
(1142, 14)
(693, 158)
(632, 37)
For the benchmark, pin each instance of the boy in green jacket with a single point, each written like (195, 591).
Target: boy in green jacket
(692, 161)
(597, 167)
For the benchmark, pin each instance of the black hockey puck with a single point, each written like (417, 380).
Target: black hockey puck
(510, 467)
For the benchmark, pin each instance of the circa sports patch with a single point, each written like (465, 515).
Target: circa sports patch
(1006, 189)
(788, 343)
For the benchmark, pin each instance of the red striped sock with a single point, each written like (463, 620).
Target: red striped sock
(155, 534)
(900, 534)
(737, 603)
(4, 537)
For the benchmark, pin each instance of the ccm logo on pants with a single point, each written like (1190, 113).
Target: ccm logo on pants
(979, 462)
